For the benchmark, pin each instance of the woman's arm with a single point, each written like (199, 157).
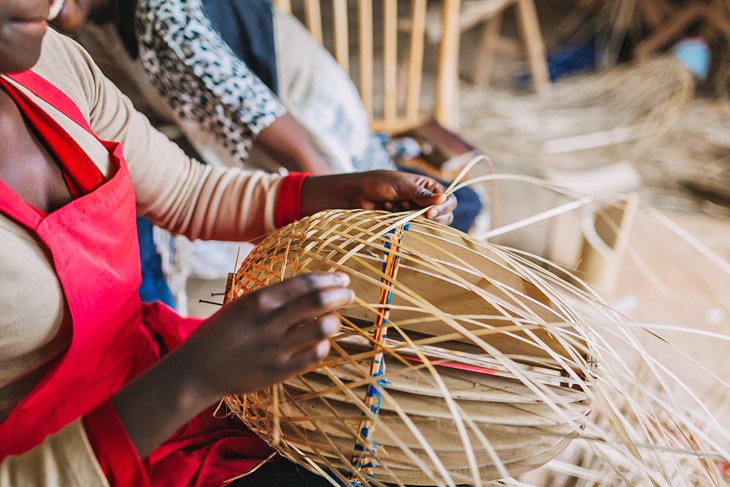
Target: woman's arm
(187, 197)
(174, 191)
(286, 143)
(256, 341)
(207, 86)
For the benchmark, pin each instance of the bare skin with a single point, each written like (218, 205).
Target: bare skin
(40, 183)
(378, 190)
(284, 141)
(259, 340)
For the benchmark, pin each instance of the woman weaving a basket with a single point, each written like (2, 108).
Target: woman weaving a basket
(75, 405)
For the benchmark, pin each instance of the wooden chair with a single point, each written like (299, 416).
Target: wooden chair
(668, 22)
(606, 234)
(393, 99)
(488, 14)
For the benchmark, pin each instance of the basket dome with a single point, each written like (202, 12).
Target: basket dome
(458, 362)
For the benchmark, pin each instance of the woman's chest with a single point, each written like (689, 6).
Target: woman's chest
(26, 165)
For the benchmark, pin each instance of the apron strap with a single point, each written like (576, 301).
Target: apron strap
(47, 91)
(82, 176)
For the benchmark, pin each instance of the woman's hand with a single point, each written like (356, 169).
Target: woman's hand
(377, 190)
(268, 335)
(256, 341)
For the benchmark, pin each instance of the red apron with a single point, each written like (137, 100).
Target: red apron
(92, 242)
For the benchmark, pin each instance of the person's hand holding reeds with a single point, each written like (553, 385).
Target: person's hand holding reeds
(378, 190)
(256, 341)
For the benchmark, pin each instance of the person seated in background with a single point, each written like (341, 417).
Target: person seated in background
(247, 85)
(95, 387)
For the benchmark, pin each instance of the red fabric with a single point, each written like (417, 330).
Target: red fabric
(92, 243)
(117, 455)
(52, 95)
(219, 447)
(158, 316)
(81, 174)
(289, 199)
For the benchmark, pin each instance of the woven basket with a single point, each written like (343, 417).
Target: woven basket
(458, 362)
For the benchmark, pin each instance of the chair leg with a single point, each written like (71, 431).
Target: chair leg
(654, 12)
(487, 47)
(606, 238)
(720, 20)
(534, 44)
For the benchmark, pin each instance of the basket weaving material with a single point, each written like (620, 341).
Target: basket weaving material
(458, 363)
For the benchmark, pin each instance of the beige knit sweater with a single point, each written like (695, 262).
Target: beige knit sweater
(172, 190)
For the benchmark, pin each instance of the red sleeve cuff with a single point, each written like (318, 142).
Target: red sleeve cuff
(289, 200)
(113, 448)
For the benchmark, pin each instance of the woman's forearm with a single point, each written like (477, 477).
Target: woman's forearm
(159, 402)
(286, 143)
(258, 340)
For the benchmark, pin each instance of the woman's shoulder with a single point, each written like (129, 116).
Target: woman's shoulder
(66, 65)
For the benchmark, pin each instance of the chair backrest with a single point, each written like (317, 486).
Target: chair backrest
(387, 62)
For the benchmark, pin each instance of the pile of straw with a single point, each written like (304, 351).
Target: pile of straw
(465, 362)
(628, 109)
(699, 151)
(644, 113)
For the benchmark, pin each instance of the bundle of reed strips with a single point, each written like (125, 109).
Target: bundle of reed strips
(697, 156)
(462, 362)
(627, 110)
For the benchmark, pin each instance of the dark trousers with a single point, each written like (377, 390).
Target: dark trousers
(153, 287)
(283, 473)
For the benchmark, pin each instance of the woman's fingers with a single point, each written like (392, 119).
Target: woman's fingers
(310, 333)
(427, 191)
(443, 211)
(421, 190)
(445, 219)
(308, 358)
(280, 294)
(304, 346)
(309, 306)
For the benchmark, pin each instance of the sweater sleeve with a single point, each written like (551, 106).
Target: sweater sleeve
(64, 458)
(176, 192)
